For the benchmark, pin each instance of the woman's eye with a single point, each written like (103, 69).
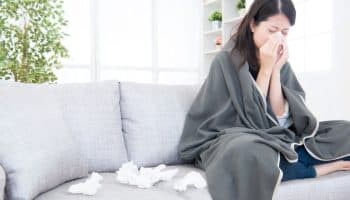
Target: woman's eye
(272, 31)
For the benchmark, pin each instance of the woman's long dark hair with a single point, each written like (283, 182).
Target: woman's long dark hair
(259, 11)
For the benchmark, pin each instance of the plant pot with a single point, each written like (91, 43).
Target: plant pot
(241, 12)
(216, 24)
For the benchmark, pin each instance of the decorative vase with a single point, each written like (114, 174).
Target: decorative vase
(216, 24)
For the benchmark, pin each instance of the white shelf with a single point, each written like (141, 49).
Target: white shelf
(213, 32)
(212, 52)
(230, 19)
(210, 2)
(233, 20)
(230, 22)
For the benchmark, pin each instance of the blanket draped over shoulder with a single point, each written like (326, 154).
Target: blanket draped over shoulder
(231, 132)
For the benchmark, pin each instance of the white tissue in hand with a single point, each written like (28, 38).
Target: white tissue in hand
(128, 173)
(191, 178)
(89, 187)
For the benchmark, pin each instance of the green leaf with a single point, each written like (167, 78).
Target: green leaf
(31, 47)
(215, 16)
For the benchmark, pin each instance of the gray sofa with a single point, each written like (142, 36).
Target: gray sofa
(150, 122)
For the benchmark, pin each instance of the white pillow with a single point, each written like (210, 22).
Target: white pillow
(153, 116)
(37, 150)
(92, 113)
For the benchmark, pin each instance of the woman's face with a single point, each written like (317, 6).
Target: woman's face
(276, 24)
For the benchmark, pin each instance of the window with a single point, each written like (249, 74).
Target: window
(311, 38)
(138, 40)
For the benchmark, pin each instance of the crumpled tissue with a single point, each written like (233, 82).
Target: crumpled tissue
(89, 187)
(128, 173)
(191, 178)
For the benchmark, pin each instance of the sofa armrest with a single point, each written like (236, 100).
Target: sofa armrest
(2, 182)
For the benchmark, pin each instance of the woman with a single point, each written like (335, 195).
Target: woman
(250, 110)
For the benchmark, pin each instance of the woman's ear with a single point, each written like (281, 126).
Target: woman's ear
(252, 26)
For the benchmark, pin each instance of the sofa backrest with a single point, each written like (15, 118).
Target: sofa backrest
(37, 150)
(119, 121)
(153, 117)
(92, 113)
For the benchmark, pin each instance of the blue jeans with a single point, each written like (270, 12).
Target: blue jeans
(304, 168)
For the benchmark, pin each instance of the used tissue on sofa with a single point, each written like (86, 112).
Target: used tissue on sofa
(128, 173)
(191, 178)
(89, 187)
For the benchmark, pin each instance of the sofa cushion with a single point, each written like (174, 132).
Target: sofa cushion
(153, 116)
(329, 187)
(92, 112)
(332, 186)
(111, 189)
(37, 150)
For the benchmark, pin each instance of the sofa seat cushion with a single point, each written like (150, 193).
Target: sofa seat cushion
(111, 189)
(332, 186)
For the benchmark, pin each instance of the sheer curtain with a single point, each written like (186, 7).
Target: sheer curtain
(319, 54)
(154, 41)
(311, 38)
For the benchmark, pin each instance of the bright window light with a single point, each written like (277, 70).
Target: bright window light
(136, 40)
(311, 39)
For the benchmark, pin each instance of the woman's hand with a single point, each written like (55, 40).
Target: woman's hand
(269, 54)
(282, 57)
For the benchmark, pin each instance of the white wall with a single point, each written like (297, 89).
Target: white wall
(328, 93)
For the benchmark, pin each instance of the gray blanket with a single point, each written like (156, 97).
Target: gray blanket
(232, 133)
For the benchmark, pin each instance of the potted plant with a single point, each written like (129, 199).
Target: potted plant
(215, 18)
(31, 34)
(241, 7)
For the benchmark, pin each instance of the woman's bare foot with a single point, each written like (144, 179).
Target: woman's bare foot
(327, 168)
